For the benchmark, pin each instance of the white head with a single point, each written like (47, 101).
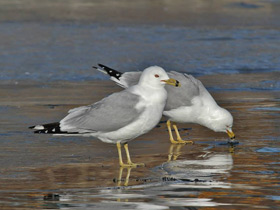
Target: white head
(156, 77)
(221, 121)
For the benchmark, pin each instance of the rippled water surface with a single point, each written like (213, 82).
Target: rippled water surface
(46, 70)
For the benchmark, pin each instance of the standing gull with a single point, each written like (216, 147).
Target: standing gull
(191, 103)
(120, 117)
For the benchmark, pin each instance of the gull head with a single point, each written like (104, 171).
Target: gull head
(156, 77)
(222, 121)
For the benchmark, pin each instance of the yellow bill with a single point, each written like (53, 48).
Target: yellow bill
(173, 82)
(230, 134)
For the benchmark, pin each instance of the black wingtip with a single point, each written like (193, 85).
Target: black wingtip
(111, 72)
(105, 67)
(46, 128)
(51, 128)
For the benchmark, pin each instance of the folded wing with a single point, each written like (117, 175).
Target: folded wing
(109, 114)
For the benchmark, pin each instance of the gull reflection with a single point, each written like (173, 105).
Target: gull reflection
(204, 168)
(126, 181)
(174, 151)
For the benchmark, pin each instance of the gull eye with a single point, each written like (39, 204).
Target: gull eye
(156, 75)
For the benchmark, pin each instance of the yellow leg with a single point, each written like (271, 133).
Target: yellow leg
(179, 139)
(119, 146)
(127, 153)
(129, 162)
(168, 123)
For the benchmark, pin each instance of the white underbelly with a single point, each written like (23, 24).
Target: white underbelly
(146, 122)
(188, 114)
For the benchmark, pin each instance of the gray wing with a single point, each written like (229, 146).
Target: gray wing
(109, 114)
(125, 80)
(182, 96)
(129, 79)
(177, 97)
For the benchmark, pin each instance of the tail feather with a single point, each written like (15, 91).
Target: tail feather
(51, 128)
(107, 70)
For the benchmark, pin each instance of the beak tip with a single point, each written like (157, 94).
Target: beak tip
(172, 82)
(231, 134)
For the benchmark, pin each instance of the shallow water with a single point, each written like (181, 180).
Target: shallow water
(42, 171)
(46, 61)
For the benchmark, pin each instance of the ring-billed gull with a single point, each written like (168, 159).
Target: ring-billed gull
(121, 116)
(191, 103)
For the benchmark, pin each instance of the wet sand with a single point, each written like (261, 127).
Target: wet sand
(42, 171)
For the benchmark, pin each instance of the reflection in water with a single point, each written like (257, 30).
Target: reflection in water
(208, 173)
(174, 151)
(119, 181)
(173, 183)
(205, 169)
(176, 183)
(192, 180)
(51, 197)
